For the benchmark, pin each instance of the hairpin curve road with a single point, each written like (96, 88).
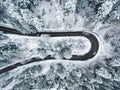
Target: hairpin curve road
(90, 36)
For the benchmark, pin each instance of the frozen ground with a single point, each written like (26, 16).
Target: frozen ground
(17, 48)
(101, 17)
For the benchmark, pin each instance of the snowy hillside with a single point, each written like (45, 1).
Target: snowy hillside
(101, 17)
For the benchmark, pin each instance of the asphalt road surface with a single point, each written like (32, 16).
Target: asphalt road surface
(91, 37)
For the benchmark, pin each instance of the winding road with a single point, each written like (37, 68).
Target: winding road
(91, 37)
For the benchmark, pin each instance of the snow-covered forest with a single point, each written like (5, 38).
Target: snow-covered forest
(101, 17)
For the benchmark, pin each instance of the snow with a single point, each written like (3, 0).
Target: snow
(106, 8)
(28, 47)
(104, 73)
(99, 73)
